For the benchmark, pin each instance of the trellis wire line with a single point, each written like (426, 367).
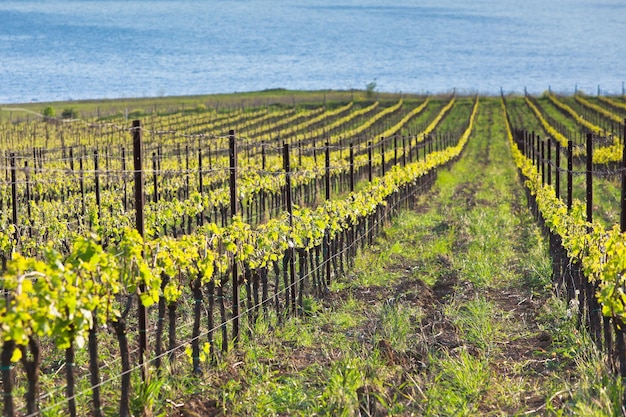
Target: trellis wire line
(242, 314)
(176, 152)
(112, 173)
(88, 373)
(112, 158)
(244, 140)
(596, 172)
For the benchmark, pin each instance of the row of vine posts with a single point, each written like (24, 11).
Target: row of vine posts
(298, 266)
(606, 332)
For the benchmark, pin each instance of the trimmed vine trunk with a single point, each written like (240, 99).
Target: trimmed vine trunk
(255, 296)
(220, 296)
(195, 336)
(94, 369)
(171, 315)
(276, 291)
(70, 357)
(250, 313)
(210, 321)
(119, 325)
(314, 261)
(334, 253)
(342, 252)
(120, 332)
(160, 324)
(7, 377)
(264, 290)
(32, 374)
(301, 277)
(286, 280)
(621, 352)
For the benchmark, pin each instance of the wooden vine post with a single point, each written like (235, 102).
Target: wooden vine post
(557, 183)
(14, 195)
(369, 161)
(623, 175)
(262, 196)
(589, 178)
(155, 184)
(549, 145)
(327, 243)
(200, 173)
(403, 151)
(541, 144)
(382, 156)
(570, 167)
(124, 178)
(539, 159)
(140, 226)
(291, 250)
(96, 167)
(351, 168)
(531, 146)
(619, 327)
(232, 141)
(82, 185)
(28, 208)
(395, 150)
(592, 301)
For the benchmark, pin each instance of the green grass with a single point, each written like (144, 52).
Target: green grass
(396, 325)
(477, 320)
(174, 104)
(458, 386)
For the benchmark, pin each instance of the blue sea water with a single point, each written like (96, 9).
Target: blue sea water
(59, 50)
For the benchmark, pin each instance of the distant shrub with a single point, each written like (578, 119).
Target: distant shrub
(48, 112)
(200, 108)
(69, 113)
(135, 113)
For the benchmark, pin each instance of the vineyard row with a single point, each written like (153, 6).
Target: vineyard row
(136, 284)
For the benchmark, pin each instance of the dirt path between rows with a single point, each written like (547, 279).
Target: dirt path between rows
(482, 186)
(447, 311)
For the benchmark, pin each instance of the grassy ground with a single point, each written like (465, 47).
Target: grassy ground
(450, 312)
(148, 105)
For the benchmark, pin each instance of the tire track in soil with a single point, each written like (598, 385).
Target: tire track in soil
(437, 334)
(450, 285)
(522, 355)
